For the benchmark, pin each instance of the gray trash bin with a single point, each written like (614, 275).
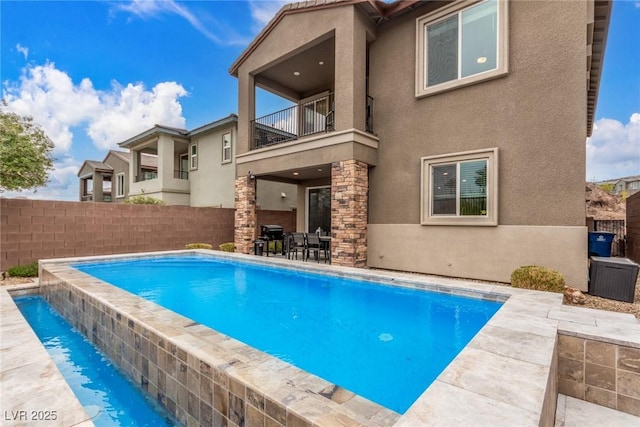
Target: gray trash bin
(258, 247)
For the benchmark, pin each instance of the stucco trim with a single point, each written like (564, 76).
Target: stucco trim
(305, 144)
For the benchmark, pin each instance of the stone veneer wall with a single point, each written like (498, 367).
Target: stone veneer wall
(599, 372)
(349, 207)
(245, 217)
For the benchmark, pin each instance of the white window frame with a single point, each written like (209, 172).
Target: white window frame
(193, 158)
(455, 8)
(427, 164)
(120, 186)
(227, 159)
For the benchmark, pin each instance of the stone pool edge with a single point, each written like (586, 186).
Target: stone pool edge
(473, 381)
(33, 390)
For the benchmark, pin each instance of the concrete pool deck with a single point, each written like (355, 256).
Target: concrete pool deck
(505, 376)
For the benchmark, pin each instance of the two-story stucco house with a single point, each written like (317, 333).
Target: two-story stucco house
(628, 185)
(108, 180)
(195, 168)
(429, 135)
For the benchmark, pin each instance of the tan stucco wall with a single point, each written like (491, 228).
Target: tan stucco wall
(487, 253)
(269, 196)
(212, 184)
(119, 166)
(536, 116)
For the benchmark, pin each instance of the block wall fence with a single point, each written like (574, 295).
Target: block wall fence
(633, 227)
(40, 229)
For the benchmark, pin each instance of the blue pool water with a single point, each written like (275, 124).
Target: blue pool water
(384, 343)
(105, 394)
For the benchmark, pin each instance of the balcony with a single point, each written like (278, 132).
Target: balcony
(146, 176)
(305, 119)
(181, 174)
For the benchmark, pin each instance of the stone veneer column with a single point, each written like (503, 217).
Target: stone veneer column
(349, 204)
(245, 216)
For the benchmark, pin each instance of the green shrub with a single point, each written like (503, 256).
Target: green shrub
(143, 200)
(29, 270)
(537, 278)
(228, 247)
(198, 246)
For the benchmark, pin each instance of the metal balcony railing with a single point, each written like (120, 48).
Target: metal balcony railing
(308, 118)
(311, 117)
(369, 115)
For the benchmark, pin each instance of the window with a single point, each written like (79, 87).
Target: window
(460, 189)
(193, 156)
(226, 147)
(459, 45)
(120, 185)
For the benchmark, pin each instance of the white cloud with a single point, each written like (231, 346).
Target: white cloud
(613, 151)
(57, 104)
(23, 50)
(110, 116)
(151, 8)
(147, 108)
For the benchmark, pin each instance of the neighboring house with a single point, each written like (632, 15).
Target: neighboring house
(428, 136)
(629, 185)
(195, 168)
(108, 180)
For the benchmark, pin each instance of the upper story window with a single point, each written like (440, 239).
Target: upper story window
(460, 188)
(461, 44)
(226, 147)
(120, 185)
(193, 156)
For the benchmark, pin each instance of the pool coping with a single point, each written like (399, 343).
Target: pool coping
(30, 382)
(505, 375)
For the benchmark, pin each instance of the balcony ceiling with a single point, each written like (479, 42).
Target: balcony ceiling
(313, 77)
(295, 176)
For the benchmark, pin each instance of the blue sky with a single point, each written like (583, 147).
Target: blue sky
(94, 73)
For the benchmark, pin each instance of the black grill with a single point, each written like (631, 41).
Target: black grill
(273, 233)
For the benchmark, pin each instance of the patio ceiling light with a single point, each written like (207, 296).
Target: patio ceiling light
(295, 174)
(296, 73)
(321, 63)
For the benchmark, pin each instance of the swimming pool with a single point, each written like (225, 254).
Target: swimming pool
(382, 342)
(108, 398)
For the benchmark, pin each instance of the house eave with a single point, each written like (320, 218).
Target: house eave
(156, 130)
(598, 34)
(377, 11)
(230, 119)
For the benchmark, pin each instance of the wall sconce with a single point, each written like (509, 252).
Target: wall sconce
(251, 176)
(283, 195)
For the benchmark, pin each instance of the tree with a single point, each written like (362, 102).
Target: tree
(25, 153)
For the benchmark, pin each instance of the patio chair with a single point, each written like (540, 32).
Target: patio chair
(297, 241)
(314, 244)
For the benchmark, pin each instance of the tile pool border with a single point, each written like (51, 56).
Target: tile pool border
(505, 375)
